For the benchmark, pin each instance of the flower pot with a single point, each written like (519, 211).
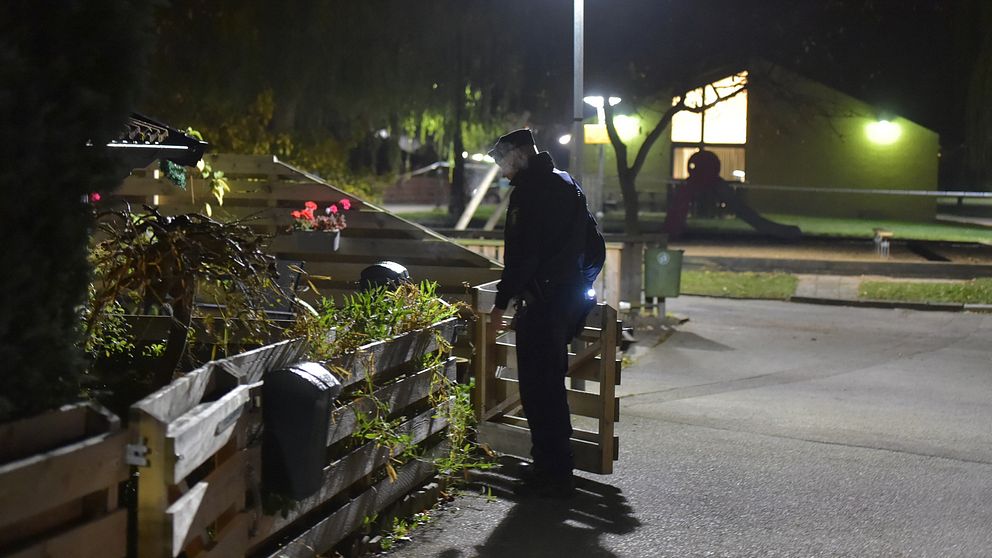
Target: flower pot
(307, 242)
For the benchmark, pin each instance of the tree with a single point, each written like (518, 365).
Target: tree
(627, 173)
(332, 86)
(70, 77)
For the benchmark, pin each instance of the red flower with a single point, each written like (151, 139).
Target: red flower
(310, 205)
(308, 214)
(332, 208)
(346, 204)
(95, 197)
(297, 215)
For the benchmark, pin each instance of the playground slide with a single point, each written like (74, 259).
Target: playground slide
(745, 213)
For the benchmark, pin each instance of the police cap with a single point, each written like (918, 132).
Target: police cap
(517, 138)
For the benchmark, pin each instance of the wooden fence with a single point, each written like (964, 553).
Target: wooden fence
(199, 491)
(59, 478)
(593, 374)
(264, 191)
(608, 284)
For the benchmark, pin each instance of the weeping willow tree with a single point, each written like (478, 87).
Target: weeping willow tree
(332, 86)
(69, 78)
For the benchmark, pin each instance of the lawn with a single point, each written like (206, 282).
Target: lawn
(811, 226)
(775, 286)
(976, 291)
(833, 227)
(857, 228)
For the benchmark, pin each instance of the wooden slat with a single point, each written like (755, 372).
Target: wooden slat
(234, 163)
(424, 249)
(198, 435)
(515, 440)
(383, 355)
(26, 437)
(446, 275)
(609, 412)
(578, 363)
(249, 366)
(179, 397)
(105, 537)
(331, 530)
(396, 396)
(577, 433)
(591, 370)
(580, 402)
(186, 392)
(350, 468)
(33, 485)
(223, 488)
(232, 540)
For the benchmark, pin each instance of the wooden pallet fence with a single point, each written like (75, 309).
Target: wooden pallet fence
(192, 435)
(200, 492)
(593, 374)
(265, 190)
(59, 479)
(607, 284)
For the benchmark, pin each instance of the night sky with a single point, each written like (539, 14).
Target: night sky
(913, 58)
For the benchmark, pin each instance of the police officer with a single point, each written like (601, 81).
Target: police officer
(543, 270)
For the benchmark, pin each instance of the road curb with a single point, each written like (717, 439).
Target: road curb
(927, 270)
(881, 304)
(887, 304)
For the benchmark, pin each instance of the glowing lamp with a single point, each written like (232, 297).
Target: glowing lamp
(883, 132)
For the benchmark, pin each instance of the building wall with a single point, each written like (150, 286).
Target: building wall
(816, 137)
(656, 170)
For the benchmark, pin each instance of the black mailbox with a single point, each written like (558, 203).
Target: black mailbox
(296, 412)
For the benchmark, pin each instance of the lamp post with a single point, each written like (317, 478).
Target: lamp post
(578, 138)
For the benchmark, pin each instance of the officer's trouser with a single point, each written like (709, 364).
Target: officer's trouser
(543, 333)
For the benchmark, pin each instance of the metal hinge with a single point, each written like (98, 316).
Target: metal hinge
(134, 454)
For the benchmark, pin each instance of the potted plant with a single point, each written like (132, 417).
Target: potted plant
(331, 221)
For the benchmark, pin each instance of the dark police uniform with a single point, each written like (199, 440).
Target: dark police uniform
(544, 243)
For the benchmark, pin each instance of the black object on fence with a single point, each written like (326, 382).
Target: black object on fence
(296, 404)
(383, 274)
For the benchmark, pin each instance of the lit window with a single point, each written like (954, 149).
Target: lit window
(724, 123)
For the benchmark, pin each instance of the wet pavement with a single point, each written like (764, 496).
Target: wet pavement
(770, 429)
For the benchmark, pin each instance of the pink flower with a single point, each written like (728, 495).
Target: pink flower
(297, 215)
(346, 204)
(308, 214)
(310, 205)
(332, 208)
(95, 197)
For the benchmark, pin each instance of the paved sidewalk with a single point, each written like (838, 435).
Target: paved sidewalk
(830, 287)
(763, 428)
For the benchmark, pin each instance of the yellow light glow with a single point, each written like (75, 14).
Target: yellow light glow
(628, 127)
(883, 132)
(595, 134)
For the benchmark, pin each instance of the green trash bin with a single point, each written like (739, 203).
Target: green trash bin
(662, 272)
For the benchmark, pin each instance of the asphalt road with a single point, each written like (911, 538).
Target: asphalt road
(772, 429)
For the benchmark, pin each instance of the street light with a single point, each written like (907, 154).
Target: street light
(596, 197)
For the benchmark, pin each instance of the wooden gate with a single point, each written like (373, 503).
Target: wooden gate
(593, 374)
